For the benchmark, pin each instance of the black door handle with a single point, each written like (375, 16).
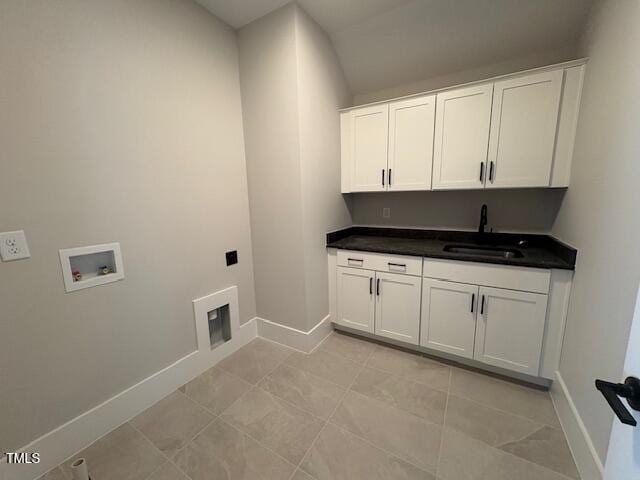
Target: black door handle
(370, 285)
(383, 177)
(491, 172)
(482, 306)
(378, 287)
(481, 170)
(473, 301)
(630, 390)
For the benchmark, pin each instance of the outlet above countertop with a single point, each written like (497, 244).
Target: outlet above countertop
(525, 250)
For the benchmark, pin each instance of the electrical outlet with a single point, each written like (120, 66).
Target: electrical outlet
(386, 212)
(13, 246)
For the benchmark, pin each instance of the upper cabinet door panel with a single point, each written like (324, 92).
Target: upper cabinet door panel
(370, 135)
(523, 130)
(461, 137)
(411, 124)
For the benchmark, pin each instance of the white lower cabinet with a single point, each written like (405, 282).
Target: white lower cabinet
(449, 316)
(387, 304)
(355, 298)
(510, 329)
(398, 307)
(454, 313)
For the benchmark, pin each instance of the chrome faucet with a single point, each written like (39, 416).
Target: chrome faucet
(483, 218)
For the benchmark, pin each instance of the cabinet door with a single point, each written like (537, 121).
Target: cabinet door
(370, 134)
(523, 130)
(355, 297)
(510, 329)
(411, 124)
(398, 307)
(461, 137)
(449, 316)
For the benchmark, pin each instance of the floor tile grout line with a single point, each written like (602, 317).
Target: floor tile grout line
(377, 447)
(320, 347)
(279, 362)
(411, 380)
(502, 452)
(316, 375)
(491, 407)
(444, 424)
(269, 449)
(394, 407)
(256, 387)
(186, 443)
(327, 422)
(532, 463)
(499, 447)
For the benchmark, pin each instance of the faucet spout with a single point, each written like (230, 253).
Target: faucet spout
(483, 218)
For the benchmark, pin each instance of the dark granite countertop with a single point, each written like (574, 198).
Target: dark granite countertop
(539, 251)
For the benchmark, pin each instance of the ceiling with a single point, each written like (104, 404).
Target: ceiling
(386, 43)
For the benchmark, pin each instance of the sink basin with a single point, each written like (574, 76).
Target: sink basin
(483, 251)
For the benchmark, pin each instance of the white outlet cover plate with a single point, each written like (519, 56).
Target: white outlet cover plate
(13, 246)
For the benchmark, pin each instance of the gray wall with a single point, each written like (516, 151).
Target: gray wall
(268, 76)
(599, 214)
(322, 90)
(121, 121)
(292, 86)
(527, 210)
(516, 64)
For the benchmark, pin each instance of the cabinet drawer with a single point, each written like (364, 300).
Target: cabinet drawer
(490, 275)
(380, 262)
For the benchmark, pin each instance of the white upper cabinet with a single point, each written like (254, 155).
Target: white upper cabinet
(514, 132)
(510, 329)
(398, 307)
(463, 119)
(369, 138)
(411, 124)
(523, 130)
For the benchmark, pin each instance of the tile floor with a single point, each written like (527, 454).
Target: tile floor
(350, 410)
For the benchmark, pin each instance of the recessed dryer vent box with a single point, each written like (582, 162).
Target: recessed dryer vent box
(85, 267)
(219, 322)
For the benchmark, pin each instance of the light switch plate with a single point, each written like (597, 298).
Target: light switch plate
(13, 246)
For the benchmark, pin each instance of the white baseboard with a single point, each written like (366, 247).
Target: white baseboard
(587, 460)
(294, 338)
(65, 441)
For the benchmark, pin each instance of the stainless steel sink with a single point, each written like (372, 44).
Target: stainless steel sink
(484, 251)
